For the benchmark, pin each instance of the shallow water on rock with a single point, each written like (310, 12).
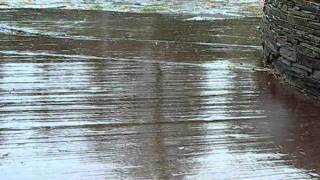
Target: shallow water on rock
(109, 95)
(202, 8)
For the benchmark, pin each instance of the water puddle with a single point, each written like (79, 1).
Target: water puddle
(125, 95)
(203, 8)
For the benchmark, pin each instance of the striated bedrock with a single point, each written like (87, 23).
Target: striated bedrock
(291, 41)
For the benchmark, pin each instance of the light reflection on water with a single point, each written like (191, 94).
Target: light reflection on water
(204, 9)
(147, 96)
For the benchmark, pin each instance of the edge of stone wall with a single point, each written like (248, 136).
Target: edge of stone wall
(291, 41)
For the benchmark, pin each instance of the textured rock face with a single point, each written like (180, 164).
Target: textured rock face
(291, 41)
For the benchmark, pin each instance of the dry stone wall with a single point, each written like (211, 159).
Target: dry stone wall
(291, 41)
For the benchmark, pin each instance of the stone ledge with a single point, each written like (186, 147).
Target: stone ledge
(291, 41)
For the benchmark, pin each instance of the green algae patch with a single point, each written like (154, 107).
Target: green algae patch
(153, 8)
(97, 7)
(102, 6)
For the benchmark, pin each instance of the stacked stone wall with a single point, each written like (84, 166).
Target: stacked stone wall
(291, 41)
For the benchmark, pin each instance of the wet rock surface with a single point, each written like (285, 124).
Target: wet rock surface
(106, 95)
(291, 40)
(211, 9)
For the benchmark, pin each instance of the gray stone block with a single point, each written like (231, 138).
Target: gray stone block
(291, 40)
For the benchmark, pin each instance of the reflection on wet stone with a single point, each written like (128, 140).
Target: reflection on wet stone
(106, 95)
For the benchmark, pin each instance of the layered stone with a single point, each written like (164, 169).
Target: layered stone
(291, 41)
